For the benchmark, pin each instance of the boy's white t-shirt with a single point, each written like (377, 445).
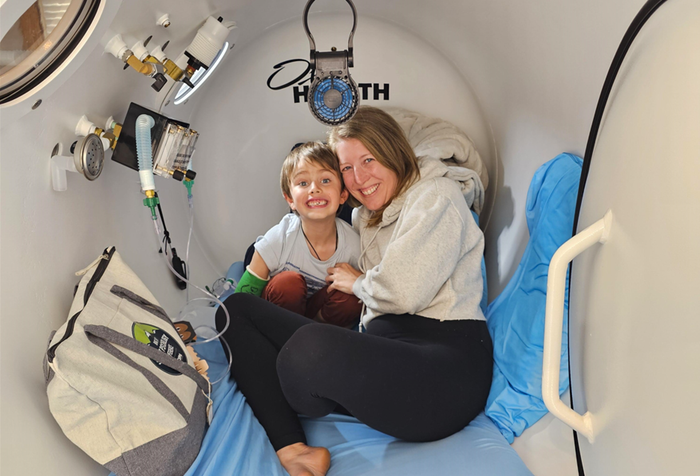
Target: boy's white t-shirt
(283, 248)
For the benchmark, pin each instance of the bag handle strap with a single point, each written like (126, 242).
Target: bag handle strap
(116, 338)
(104, 260)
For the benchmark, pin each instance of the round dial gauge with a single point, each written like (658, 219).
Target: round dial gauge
(89, 156)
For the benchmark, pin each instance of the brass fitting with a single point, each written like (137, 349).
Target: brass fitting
(143, 68)
(150, 193)
(172, 70)
(113, 136)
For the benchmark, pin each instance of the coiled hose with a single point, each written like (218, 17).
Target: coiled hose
(144, 123)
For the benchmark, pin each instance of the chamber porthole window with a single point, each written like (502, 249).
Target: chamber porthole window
(40, 41)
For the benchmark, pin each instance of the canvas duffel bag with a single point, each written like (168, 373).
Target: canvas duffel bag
(120, 381)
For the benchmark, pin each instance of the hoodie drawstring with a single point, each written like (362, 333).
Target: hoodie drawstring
(360, 262)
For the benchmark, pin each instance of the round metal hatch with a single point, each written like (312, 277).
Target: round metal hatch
(635, 307)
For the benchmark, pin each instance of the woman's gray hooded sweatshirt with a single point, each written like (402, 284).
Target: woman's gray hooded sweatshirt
(424, 258)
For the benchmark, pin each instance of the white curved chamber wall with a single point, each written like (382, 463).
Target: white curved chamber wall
(534, 69)
(635, 350)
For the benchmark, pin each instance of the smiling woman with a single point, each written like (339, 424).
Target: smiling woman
(370, 182)
(375, 168)
(421, 315)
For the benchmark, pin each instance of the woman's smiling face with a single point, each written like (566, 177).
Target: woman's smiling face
(371, 183)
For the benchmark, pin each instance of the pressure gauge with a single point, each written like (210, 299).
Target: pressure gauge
(88, 159)
(89, 156)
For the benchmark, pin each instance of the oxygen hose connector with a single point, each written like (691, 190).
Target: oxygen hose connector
(151, 201)
(144, 123)
(188, 184)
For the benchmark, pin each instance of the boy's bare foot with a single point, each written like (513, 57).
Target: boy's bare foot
(302, 460)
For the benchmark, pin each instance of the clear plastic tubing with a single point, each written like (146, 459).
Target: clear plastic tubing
(210, 297)
(190, 201)
(144, 123)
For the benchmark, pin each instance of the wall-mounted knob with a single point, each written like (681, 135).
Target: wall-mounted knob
(163, 21)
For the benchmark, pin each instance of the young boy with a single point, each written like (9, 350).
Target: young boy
(290, 262)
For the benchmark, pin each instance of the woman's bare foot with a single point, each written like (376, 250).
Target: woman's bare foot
(302, 460)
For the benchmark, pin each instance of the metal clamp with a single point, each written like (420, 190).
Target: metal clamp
(312, 43)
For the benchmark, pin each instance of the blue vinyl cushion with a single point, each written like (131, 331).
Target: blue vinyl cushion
(516, 317)
(236, 444)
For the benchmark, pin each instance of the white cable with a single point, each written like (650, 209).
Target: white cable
(196, 299)
(210, 296)
(206, 293)
(190, 201)
(166, 96)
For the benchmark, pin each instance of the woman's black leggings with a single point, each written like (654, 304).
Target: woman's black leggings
(411, 377)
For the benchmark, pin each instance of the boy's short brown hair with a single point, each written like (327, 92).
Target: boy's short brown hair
(315, 152)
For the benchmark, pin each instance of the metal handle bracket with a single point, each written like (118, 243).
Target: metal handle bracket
(312, 43)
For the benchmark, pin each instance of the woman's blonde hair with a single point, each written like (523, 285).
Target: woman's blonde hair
(385, 140)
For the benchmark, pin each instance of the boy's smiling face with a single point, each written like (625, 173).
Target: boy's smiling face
(316, 191)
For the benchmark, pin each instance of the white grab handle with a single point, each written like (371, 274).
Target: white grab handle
(553, 322)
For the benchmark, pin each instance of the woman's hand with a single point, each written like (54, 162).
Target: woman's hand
(342, 277)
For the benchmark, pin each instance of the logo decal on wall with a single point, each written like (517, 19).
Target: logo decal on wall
(160, 340)
(300, 94)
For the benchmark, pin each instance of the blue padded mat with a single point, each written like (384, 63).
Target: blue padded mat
(236, 444)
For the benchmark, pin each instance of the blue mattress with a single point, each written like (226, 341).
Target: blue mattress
(236, 444)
